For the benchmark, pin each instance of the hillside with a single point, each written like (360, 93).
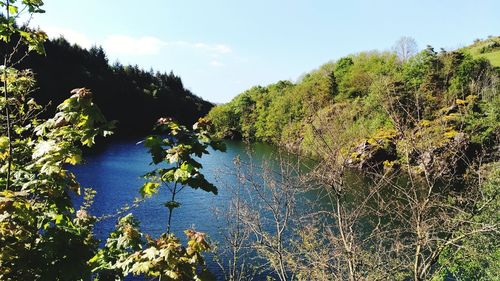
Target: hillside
(361, 100)
(128, 94)
(488, 48)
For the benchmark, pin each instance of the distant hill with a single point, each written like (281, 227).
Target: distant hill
(133, 96)
(488, 48)
(356, 99)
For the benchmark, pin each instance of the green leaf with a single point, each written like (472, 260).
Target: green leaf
(43, 148)
(199, 181)
(59, 218)
(12, 9)
(149, 189)
(181, 175)
(188, 167)
(150, 253)
(141, 267)
(154, 143)
(4, 147)
(168, 176)
(74, 159)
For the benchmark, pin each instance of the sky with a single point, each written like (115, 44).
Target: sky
(220, 48)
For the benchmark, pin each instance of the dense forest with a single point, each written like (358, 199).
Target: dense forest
(445, 88)
(128, 94)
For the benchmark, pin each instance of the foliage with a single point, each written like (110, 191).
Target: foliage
(488, 48)
(42, 236)
(128, 251)
(134, 96)
(363, 88)
(178, 150)
(421, 127)
(477, 257)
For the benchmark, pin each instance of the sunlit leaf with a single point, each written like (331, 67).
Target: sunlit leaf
(74, 159)
(149, 188)
(43, 148)
(12, 9)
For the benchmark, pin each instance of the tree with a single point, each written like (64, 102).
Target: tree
(413, 213)
(262, 210)
(42, 236)
(178, 150)
(405, 47)
(233, 253)
(127, 250)
(424, 135)
(445, 201)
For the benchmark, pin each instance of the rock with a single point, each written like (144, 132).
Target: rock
(233, 134)
(369, 156)
(448, 161)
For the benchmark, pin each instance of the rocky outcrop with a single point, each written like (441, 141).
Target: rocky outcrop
(448, 161)
(371, 154)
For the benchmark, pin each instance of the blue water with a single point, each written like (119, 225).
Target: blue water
(115, 171)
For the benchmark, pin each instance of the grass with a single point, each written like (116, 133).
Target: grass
(492, 55)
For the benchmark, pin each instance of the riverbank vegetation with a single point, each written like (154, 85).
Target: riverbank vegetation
(429, 89)
(422, 129)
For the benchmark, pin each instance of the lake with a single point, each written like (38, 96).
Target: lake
(115, 171)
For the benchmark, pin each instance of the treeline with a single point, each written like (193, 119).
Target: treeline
(134, 97)
(452, 89)
(424, 129)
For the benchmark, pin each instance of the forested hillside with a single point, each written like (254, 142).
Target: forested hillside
(128, 94)
(455, 91)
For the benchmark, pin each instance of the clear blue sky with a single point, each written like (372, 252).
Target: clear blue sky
(222, 47)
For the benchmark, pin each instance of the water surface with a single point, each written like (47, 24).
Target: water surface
(115, 171)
